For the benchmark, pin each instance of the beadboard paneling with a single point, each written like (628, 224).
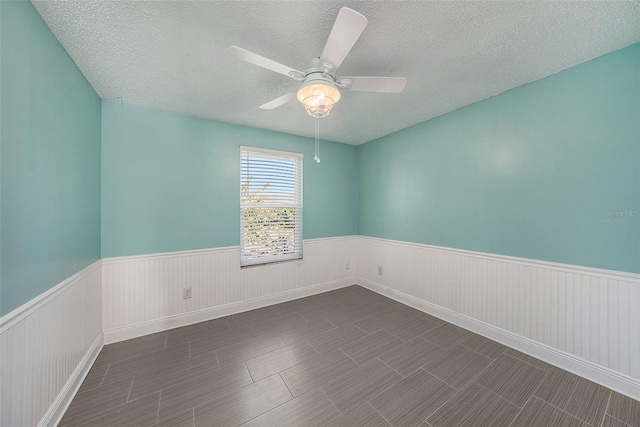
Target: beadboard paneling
(139, 290)
(586, 313)
(47, 347)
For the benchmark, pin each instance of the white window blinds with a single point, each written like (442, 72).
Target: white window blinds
(270, 206)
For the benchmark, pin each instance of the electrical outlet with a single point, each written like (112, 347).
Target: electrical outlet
(379, 271)
(348, 266)
(186, 293)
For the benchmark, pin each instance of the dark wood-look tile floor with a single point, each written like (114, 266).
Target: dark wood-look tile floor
(348, 357)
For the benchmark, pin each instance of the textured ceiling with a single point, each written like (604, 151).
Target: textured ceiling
(173, 56)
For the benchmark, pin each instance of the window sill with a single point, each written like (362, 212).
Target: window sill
(262, 264)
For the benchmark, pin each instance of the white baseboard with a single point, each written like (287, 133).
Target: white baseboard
(59, 406)
(184, 319)
(599, 374)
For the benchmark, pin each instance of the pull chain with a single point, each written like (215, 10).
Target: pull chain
(316, 156)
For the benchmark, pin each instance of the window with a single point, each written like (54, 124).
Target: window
(270, 206)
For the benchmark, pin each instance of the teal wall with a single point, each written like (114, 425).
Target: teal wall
(171, 182)
(546, 171)
(50, 160)
(549, 171)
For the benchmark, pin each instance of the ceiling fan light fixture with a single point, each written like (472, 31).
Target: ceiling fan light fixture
(318, 98)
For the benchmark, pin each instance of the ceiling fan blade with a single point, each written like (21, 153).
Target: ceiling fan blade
(374, 84)
(344, 34)
(261, 61)
(278, 101)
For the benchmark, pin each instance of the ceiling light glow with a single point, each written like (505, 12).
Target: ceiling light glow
(318, 98)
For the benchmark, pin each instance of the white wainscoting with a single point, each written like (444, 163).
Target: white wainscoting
(584, 320)
(47, 347)
(143, 294)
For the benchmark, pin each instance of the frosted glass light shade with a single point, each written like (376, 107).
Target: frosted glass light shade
(318, 98)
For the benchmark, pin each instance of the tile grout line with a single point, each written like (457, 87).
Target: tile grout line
(252, 418)
(105, 375)
(546, 374)
(477, 352)
(357, 364)
(428, 342)
(330, 322)
(130, 388)
(489, 357)
(269, 410)
(420, 368)
(570, 394)
(606, 409)
(431, 342)
(455, 388)
(562, 410)
(437, 377)
(158, 412)
(443, 403)
(390, 385)
(473, 378)
(389, 366)
(346, 373)
(455, 393)
(253, 380)
(314, 349)
(363, 331)
(617, 419)
(520, 410)
(551, 404)
(331, 400)
(497, 395)
(285, 384)
(522, 360)
(395, 336)
(379, 413)
(251, 376)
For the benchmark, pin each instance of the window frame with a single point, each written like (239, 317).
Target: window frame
(297, 253)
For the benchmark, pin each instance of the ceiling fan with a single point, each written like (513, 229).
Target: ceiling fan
(321, 87)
